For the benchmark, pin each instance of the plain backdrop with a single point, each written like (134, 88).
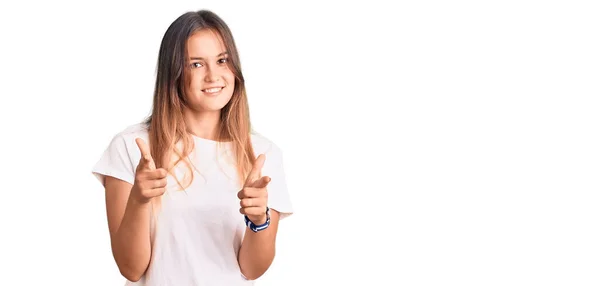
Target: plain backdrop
(425, 142)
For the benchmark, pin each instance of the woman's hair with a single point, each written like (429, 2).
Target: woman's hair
(169, 140)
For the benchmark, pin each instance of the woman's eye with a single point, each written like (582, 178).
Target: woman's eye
(222, 61)
(196, 65)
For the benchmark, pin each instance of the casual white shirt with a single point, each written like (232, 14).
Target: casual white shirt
(197, 232)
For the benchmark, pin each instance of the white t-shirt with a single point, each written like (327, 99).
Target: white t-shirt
(199, 231)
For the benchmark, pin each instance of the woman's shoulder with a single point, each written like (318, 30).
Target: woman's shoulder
(263, 144)
(124, 139)
(133, 131)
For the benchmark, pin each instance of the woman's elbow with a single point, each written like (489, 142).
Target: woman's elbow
(131, 275)
(251, 277)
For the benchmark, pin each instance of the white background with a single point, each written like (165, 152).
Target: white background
(426, 143)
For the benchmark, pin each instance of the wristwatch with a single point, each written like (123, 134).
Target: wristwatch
(257, 228)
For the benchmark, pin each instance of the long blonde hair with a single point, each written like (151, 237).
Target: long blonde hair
(169, 140)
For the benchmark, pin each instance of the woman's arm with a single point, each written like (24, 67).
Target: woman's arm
(128, 209)
(258, 249)
(129, 226)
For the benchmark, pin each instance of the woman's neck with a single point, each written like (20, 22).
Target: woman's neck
(203, 124)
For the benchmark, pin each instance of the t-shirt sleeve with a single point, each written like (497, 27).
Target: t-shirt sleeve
(115, 161)
(278, 194)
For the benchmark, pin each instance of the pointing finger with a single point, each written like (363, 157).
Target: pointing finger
(156, 174)
(251, 192)
(262, 182)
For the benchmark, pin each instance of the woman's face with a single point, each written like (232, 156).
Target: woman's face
(210, 82)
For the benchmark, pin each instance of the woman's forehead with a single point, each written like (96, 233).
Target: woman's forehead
(206, 43)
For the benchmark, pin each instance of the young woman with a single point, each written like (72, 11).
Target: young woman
(193, 195)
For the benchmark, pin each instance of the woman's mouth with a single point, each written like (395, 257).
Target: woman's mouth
(212, 90)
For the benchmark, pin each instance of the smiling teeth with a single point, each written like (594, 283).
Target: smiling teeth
(212, 89)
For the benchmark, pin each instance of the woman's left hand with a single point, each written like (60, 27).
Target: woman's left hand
(253, 196)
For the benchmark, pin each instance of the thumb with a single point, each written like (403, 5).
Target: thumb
(256, 168)
(146, 162)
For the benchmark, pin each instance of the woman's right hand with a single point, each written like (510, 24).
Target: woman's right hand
(149, 181)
